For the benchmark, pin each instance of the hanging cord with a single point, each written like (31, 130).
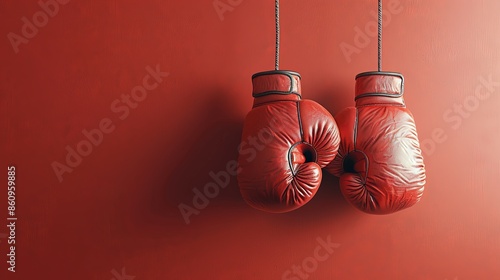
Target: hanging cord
(277, 20)
(379, 35)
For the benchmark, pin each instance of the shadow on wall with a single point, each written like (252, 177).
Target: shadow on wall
(212, 141)
(203, 186)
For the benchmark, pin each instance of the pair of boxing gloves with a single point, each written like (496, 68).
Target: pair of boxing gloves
(372, 147)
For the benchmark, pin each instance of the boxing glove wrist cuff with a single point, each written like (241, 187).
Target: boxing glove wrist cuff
(276, 85)
(378, 88)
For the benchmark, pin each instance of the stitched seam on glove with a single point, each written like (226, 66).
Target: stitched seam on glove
(300, 122)
(272, 102)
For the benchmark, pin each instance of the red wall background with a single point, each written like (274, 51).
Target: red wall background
(116, 215)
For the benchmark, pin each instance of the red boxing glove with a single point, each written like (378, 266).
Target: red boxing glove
(285, 143)
(379, 161)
